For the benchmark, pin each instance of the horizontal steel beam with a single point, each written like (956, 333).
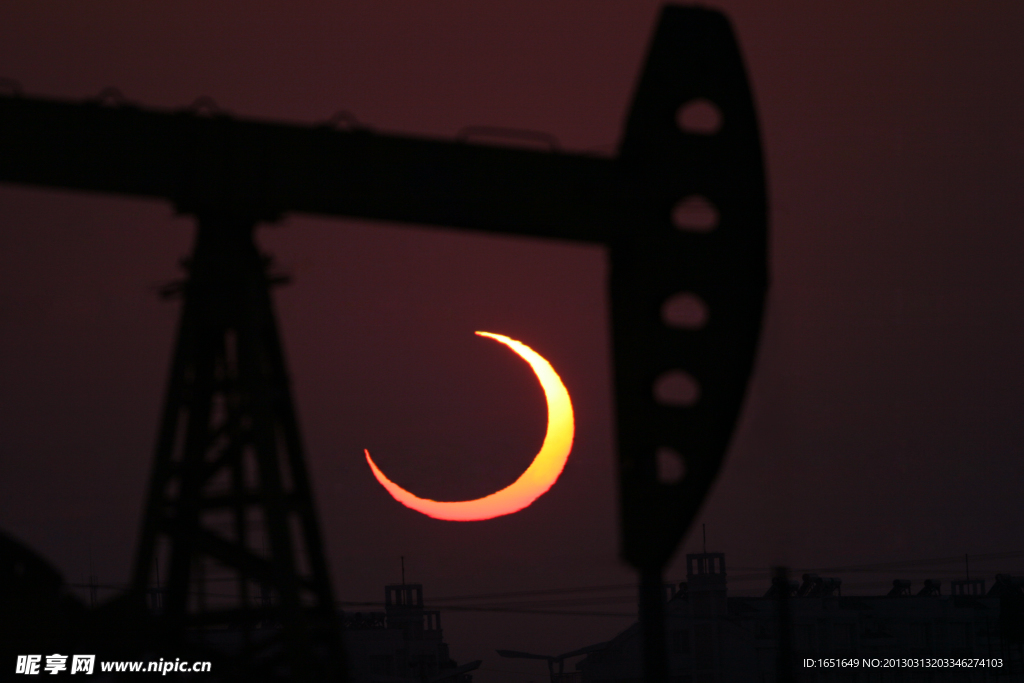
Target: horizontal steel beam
(216, 163)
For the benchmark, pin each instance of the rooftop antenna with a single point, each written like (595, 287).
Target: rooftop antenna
(784, 664)
(92, 580)
(157, 600)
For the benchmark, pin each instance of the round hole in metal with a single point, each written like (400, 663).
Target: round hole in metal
(699, 116)
(670, 465)
(685, 311)
(676, 388)
(695, 214)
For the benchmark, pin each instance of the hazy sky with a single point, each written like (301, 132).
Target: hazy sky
(882, 423)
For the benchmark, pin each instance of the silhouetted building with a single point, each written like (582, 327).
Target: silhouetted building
(713, 638)
(402, 644)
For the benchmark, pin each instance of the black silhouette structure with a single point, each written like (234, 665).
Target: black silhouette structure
(682, 210)
(802, 625)
(559, 676)
(229, 494)
(404, 642)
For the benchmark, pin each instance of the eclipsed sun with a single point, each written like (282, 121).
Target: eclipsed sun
(542, 473)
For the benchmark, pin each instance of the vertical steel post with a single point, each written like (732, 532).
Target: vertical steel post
(693, 229)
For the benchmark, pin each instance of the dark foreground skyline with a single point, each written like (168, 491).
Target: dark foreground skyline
(882, 423)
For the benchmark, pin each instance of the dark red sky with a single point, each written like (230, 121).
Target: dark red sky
(883, 422)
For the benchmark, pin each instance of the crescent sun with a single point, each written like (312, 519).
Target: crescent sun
(542, 473)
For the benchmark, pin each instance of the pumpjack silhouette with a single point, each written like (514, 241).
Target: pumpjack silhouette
(681, 209)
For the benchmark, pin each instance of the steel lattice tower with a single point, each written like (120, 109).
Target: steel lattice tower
(230, 524)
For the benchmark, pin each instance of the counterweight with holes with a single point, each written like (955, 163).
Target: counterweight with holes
(229, 492)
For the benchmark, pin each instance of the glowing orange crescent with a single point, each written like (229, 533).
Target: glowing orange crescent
(531, 484)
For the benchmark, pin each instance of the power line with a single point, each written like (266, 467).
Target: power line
(559, 601)
(909, 564)
(547, 591)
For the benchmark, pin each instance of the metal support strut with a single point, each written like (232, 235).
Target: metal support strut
(230, 522)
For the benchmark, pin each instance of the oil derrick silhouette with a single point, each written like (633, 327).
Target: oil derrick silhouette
(229, 499)
(682, 211)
